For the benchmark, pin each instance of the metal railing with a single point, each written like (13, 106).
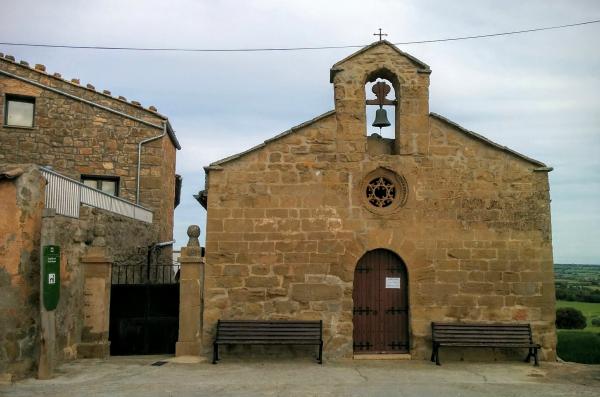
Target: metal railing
(144, 274)
(66, 195)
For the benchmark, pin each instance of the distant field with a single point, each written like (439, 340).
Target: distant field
(589, 310)
(579, 274)
(577, 282)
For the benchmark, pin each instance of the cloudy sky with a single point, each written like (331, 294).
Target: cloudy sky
(537, 93)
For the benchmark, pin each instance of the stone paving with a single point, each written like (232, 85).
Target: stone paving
(135, 376)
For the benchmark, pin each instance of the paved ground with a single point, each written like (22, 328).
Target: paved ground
(137, 377)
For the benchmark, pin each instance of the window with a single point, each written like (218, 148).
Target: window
(384, 191)
(107, 184)
(19, 111)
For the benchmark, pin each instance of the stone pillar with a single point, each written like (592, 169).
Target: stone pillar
(191, 296)
(96, 307)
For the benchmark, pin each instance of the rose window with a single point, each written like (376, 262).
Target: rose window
(381, 192)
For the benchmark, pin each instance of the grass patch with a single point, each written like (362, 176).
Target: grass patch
(589, 310)
(579, 346)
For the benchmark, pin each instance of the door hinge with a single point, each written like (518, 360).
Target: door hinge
(396, 345)
(396, 310)
(364, 310)
(362, 345)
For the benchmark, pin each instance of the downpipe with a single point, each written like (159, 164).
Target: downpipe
(139, 160)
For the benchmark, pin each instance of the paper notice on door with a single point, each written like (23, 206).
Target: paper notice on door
(392, 282)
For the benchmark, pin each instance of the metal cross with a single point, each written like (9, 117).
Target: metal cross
(380, 34)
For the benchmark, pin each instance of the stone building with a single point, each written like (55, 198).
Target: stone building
(378, 237)
(84, 139)
(88, 135)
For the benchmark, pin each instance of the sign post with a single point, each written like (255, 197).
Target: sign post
(49, 294)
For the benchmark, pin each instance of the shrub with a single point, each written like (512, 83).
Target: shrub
(580, 347)
(596, 321)
(570, 318)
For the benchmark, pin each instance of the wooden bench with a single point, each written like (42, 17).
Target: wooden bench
(252, 332)
(482, 335)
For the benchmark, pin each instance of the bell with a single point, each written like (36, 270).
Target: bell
(381, 119)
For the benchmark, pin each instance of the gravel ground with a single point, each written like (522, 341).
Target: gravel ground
(135, 376)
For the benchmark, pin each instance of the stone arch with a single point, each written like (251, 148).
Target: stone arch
(387, 74)
(379, 146)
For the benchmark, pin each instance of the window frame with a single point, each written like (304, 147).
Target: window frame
(18, 98)
(401, 191)
(100, 178)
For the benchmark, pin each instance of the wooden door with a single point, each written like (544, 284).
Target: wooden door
(380, 304)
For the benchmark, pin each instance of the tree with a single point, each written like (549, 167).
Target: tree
(570, 318)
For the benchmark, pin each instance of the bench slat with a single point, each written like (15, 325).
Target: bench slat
(268, 342)
(265, 327)
(516, 325)
(267, 335)
(450, 334)
(480, 336)
(226, 322)
(499, 329)
(472, 331)
(474, 344)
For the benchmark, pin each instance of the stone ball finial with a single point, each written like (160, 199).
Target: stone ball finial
(99, 236)
(193, 233)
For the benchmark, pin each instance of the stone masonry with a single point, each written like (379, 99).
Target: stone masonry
(77, 130)
(77, 138)
(21, 206)
(287, 220)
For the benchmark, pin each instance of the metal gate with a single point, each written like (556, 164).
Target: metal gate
(144, 309)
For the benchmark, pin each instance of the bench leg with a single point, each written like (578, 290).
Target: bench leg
(215, 353)
(432, 352)
(437, 355)
(320, 359)
(535, 357)
(528, 358)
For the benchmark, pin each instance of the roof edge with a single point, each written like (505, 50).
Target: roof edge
(172, 136)
(276, 137)
(58, 77)
(424, 68)
(162, 119)
(488, 141)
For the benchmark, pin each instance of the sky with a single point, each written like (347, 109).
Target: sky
(537, 93)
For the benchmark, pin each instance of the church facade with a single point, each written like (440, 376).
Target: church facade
(379, 237)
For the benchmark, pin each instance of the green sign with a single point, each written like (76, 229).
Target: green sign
(51, 276)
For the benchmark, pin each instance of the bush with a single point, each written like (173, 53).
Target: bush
(596, 321)
(580, 347)
(570, 318)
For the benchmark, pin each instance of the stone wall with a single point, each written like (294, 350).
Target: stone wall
(287, 222)
(21, 205)
(94, 228)
(76, 138)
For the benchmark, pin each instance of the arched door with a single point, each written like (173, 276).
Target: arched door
(380, 304)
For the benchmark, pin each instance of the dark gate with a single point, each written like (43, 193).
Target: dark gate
(144, 309)
(380, 304)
